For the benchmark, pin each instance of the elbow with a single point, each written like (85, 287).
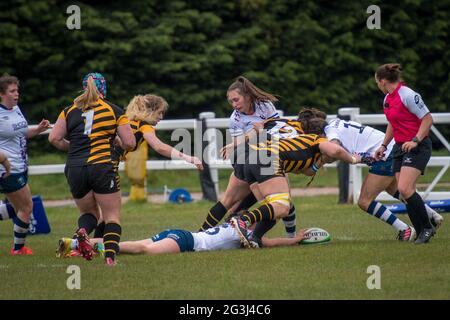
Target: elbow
(129, 144)
(52, 139)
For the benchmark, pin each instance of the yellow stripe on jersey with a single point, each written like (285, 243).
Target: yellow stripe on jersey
(298, 144)
(146, 128)
(123, 119)
(106, 123)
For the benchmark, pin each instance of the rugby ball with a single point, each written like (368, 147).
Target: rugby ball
(315, 235)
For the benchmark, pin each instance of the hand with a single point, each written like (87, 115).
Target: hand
(43, 125)
(367, 159)
(226, 151)
(196, 162)
(258, 126)
(408, 146)
(357, 158)
(7, 167)
(379, 154)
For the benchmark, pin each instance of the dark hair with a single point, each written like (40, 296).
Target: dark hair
(390, 71)
(307, 113)
(6, 80)
(247, 88)
(315, 126)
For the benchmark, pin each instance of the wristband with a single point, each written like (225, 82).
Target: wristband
(353, 160)
(385, 146)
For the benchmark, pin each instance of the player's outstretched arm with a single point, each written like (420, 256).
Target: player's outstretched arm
(278, 242)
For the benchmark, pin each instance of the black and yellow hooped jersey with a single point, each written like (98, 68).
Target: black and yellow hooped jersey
(293, 154)
(283, 128)
(92, 133)
(139, 129)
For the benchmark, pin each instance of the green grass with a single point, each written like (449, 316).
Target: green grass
(337, 270)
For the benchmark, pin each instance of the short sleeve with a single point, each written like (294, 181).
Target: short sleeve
(235, 127)
(413, 102)
(267, 109)
(144, 127)
(331, 132)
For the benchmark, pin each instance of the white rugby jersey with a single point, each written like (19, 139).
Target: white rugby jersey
(241, 123)
(357, 138)
(13, 141)
(221, 237)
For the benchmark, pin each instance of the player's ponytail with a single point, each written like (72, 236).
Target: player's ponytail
(89, 97)
(390, 71)
(247, 88)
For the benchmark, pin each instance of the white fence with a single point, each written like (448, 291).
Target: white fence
(216, 164)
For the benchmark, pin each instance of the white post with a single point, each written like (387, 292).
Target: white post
(355, 176)
(212, 153)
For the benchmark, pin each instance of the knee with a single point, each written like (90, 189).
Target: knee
(281, 204)
(364, 203)
(406, 191)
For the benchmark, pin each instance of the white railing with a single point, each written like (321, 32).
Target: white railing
(216, 164)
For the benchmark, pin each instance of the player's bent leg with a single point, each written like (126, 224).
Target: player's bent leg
(372, 186)
(236, 191)
(23, 205)
(110, 208)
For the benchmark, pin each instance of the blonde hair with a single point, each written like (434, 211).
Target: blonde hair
(143, 107)
(89, 97)
(247, 88)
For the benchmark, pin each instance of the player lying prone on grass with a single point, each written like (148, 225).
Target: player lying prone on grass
(228, 235)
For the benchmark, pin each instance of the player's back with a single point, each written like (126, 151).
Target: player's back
(221, 237)
(355, 137)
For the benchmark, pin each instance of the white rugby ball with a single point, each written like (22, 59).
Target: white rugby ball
(315, 235)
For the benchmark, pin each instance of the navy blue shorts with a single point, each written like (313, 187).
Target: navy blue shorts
(184, 238)
(13, 182)
(383, 168)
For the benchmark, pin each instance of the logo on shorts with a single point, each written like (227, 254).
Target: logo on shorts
(112, 184)
(407, 160)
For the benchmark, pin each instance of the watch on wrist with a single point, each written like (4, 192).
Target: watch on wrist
(415, 139)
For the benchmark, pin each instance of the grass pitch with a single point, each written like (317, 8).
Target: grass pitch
(337, 270)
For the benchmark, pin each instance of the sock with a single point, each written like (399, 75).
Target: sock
(261, 228)
(247, 203)
(20, 233)
(74, 244)
(217, 212)
(263, 213)
(290, 223)
(379, 211)
(7, 211)
(416, 205)
(99, 230)
(87, 221)
(430, 211)
(111, 239)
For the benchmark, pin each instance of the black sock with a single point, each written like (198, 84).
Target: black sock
(396, 195)
(111, 239)
(87, 221)
(417, 208)
(248, 202)
(217, 212)
(100, 230)
(263, 213)
(262, 227)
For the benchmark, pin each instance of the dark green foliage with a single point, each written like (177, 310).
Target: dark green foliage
(317, 53)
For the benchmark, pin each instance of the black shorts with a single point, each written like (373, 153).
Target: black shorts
(100, 178)
(255, 168)
(417, 158)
